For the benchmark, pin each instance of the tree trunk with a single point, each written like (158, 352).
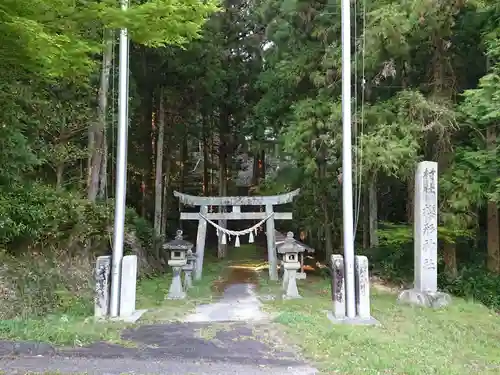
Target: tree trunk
(326, 213)
(166, 196)
(493, 261)
(206, 178)
(159, 168)
(373, 211)
(255, 169)
(223, 147)
(450, 259)
(366, 221)
(104, 169)
(410, 206)
(59, 175)
(96, 140)
(143, 197)
(262, 172)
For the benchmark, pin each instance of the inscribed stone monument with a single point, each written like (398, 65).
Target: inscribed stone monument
(338, 314)
(338, 286)
(425, 291)
(127, 290)
(102, 289)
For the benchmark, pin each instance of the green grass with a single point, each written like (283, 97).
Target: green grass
(61, 330)
(458, 340)
(76, 325)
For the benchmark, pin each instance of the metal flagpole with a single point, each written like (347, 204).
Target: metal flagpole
(347, 205)
(121, 171)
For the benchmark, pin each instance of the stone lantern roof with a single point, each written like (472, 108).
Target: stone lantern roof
(178, 243)
(290, 245)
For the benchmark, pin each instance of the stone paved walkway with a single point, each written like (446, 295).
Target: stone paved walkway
(206, 343)
(239, 303)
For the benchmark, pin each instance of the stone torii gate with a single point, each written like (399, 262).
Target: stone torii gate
(236, 202)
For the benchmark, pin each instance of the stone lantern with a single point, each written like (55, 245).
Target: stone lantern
(178, 259)
(290, 250)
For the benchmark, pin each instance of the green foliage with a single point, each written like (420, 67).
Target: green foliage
(393, 260)
(40, 217)
(474, 283)
(156, 23)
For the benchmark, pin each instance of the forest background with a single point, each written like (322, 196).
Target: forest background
(236, 98)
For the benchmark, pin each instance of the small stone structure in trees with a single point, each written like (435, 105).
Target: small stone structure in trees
(178, 259)
(280, 238)
(290, 250)
(268, 217)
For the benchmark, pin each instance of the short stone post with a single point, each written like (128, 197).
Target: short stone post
(291, 263)
(338, 287)
(178, 259)
(102, 288)
(424, 291)
(188, 270)
(129, 286)
(285, 276)
(362, 287)
(175, 291)
(362, 292)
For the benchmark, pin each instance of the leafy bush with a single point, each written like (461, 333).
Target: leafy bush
(393, 259)
(474, 283)
(40, 217)
(48, 241)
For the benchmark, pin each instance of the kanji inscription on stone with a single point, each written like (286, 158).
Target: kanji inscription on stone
(426, 226)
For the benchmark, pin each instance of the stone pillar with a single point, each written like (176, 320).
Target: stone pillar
(271, 245)
(362, 287)
(200, 243)
(128, 287)
(362, 292)
(425, 291)
(188, 280)
(291, 287)
(285, 278)
(175, 291)
(102, 288)
(338, 287)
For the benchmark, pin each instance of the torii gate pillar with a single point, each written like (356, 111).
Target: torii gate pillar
(236, 202)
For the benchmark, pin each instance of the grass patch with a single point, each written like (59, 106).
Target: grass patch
(61, 330)
(69, 318)
(460, 339)
(151, 295)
